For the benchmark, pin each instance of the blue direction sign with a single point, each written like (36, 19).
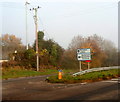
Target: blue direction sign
(83, 54)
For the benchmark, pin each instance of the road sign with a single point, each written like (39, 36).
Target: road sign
(83, 54)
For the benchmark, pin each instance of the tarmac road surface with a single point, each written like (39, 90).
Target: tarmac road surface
(36, 88)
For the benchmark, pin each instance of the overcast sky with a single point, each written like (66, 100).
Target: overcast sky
(62, 20)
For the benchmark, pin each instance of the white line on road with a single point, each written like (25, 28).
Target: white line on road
(83, 83)
(111, 81)
(116, 80)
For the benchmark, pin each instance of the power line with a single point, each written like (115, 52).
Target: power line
(12, 5)
(44, 29)
(40, 21)
(89, 11)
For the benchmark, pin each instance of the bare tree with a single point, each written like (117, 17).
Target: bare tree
(104, 52)
(10, 43)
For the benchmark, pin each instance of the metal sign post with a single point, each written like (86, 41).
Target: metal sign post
(88, 65)
(80, 65)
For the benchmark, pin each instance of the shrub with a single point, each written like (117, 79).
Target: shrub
(10, 64)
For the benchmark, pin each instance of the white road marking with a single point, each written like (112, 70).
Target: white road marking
(83, 83)
(116, 80)
(111, 81)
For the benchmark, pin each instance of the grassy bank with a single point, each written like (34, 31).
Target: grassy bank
(88, 77)
(18, 72)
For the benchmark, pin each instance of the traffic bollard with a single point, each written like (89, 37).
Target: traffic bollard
(60, 74)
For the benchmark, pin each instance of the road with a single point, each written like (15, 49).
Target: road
(36, 88)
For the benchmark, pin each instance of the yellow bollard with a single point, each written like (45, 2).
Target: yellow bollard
(60, 74)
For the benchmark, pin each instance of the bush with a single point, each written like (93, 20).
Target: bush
(10, 64)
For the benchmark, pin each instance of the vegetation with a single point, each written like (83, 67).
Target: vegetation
(103, 52)
(51, 54)
(21, 72)
(88, 77)
(10, 44)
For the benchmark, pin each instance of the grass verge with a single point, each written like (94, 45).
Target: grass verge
(18, 72)
(88, 77)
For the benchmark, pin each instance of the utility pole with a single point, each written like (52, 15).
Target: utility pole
(26, 3)
(36, 32)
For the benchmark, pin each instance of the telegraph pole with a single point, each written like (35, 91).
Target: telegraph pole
(26, 3)
(36, 32)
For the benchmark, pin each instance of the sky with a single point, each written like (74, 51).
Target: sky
(61, 20)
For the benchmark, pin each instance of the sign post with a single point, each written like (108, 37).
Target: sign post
(88, 64)
(80, 65)
(84, 55)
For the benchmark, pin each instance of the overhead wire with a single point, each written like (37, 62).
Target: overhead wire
(89, 11)
(11, 5)
(47, 36)
(100, 8)
(44, 29)
(40, 22)
(81, 12)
